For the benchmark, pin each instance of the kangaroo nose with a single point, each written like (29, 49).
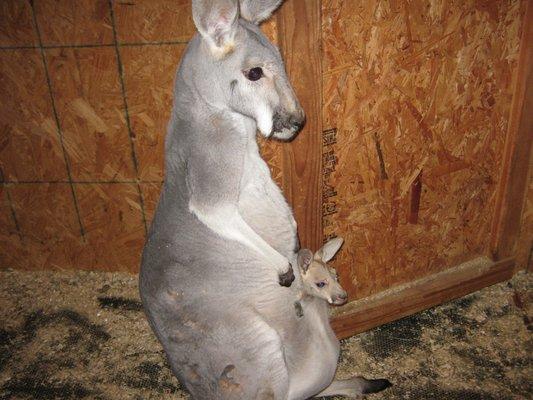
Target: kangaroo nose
(341, 298)
(297, 121)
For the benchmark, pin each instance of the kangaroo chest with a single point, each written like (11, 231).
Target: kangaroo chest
(262, 205)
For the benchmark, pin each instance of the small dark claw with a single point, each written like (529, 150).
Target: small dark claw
(287, 278)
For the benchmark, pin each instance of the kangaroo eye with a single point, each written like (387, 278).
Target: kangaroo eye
(321, 284)
(254, 74)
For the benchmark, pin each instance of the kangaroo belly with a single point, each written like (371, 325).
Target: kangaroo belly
(312, 358)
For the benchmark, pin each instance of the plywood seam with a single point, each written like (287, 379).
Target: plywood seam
(127, 115)
(14, 214)
(57, 123)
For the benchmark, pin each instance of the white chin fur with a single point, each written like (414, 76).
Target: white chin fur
(285, 134)
(264, 121)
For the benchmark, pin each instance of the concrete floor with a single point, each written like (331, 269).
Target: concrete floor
(66, 335)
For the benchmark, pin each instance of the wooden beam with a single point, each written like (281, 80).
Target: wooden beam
(299, 29)
(517, 153)
(362, 315)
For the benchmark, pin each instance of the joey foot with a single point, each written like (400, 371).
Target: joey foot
(287, 278)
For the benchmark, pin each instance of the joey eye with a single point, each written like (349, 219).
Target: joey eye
(254, 74)
(320, 284)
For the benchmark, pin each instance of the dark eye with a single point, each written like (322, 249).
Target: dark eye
(321, 284)
(254, 74)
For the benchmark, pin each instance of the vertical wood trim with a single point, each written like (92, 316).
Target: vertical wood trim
(299, 29)
(517, 152)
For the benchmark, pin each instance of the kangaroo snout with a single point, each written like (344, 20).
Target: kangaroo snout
(286, 126)
(339, 299)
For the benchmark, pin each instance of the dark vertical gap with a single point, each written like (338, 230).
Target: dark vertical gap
(14, 214)
(414, 199)
(380, 157)
(56, 118)
(127, 114)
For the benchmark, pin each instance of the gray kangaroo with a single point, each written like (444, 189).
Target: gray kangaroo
(216, 271)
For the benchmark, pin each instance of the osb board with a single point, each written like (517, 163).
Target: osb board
(30, 149)
(142, 21)
(80, 22)
(150, 193)
(10, 238)
(16, 27)
(49, 231)
(417, 95)
(149, 81)
(114, 233)
(90, 106)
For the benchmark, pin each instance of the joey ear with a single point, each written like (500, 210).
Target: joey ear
(255, 11)
(305, 256)
(216, 20)
(331, 248)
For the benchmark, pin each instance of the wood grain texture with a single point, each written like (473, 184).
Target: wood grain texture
(142, 21)
(80, 22)
(111, 215)
(48, 225)
(30, 148)
(415, 88)
(150, 192)
(10, 237)
(90, 106)
(16, 24)
(513, 206)
(299, 34)
(149, 80)
(373, 311)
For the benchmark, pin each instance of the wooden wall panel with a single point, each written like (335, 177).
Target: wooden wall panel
(30, 149)
(79, 22)
(156, 21)
(299, 33)
(417, 97)
(90, 106)
(48, 226)
(149, 80)
(17, 28)
(10, 237)
(150, 192)
(112, 217)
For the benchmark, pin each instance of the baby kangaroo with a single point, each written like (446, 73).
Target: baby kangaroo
(320, 281)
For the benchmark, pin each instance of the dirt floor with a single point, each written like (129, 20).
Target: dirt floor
(84, 336)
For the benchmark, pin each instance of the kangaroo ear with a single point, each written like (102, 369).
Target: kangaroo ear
(327, 251)
(256, 11)
(216, 20)
(305, 257)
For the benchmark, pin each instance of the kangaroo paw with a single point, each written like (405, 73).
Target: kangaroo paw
(287, 278)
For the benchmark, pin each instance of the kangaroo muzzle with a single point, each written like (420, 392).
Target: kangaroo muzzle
(285, 126)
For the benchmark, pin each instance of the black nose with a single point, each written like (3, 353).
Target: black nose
(297, 122)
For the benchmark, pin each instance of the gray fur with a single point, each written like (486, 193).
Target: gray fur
(223, 234)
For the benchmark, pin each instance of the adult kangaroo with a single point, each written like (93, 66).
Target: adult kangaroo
(216, 271)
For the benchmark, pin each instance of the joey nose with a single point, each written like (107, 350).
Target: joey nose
(341, 298)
